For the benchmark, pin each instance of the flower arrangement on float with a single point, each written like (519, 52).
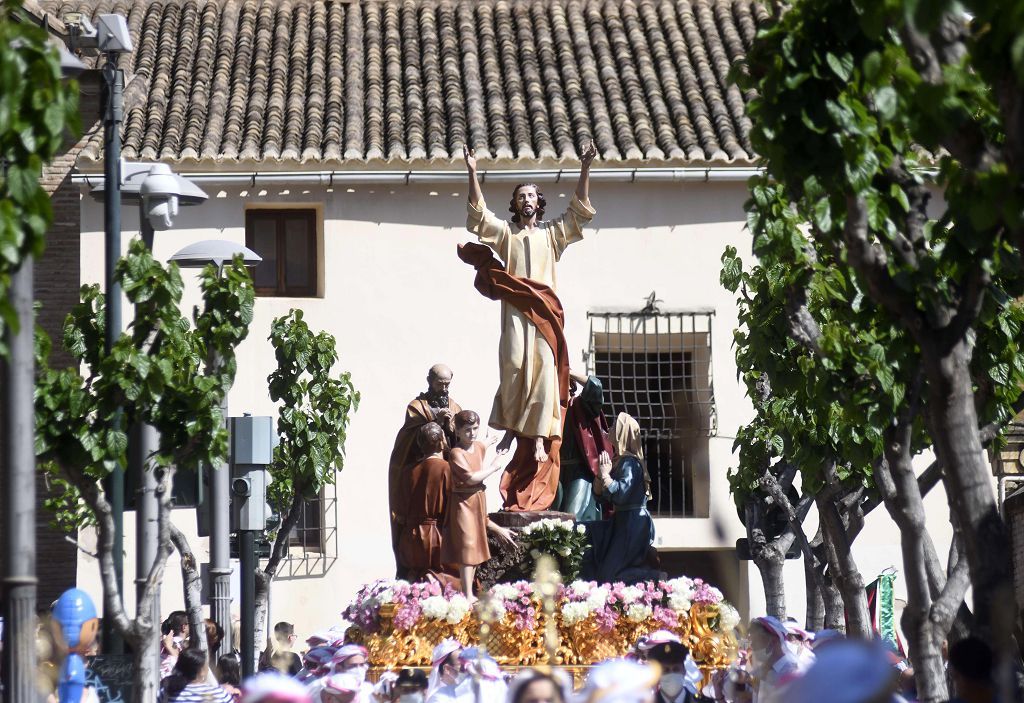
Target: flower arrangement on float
(400, 622)
(564, 540)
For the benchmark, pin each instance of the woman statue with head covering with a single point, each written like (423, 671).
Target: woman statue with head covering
(619, 546)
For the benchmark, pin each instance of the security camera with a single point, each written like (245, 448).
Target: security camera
(113, 35)
(160, 193)
(161, 211)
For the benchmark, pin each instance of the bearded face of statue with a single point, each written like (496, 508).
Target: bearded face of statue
(527, 201)
(437, 390)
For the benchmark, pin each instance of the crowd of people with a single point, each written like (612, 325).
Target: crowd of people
(776, 662)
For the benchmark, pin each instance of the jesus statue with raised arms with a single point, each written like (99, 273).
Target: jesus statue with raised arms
(527, 405)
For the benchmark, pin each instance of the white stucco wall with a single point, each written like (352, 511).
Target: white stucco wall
(399, 300)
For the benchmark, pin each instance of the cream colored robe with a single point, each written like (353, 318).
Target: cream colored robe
(527, 400)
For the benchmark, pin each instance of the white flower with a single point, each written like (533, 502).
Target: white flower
(458, 606)
(580, 588)
(679, 602)
(716, 594)
(504, 591)
(581, 529)
(597, 598)
(573, 613)
(631, 594)
(564, 551)
(434, 607)
(637, 612)
(728, 618)
(683, 586)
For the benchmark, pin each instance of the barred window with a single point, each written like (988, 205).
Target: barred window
(313, 543)
(656, 366)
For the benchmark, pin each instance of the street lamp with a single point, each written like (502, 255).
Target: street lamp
(112, 38)
(158, 192)
(199, 255)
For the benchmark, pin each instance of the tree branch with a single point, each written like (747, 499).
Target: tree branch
(88, 488)
(280, 548)
(772, 488)
(870, 261)
(802, 326)
(190, 580)
(155, 576)
(971, 298)
(945, 608)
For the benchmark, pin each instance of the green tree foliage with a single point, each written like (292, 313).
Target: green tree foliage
(314, 411)
(312, 424)
(38, 110)
(158, 372)
(872, 308)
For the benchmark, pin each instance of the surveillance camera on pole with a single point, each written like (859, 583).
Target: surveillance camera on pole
(160, 197)
(110, 34)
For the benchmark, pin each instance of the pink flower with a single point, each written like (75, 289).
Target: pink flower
(605, 619)
(666, 617)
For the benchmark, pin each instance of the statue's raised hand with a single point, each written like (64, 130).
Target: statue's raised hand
(604, 463)
(588, 154)
(470, 156)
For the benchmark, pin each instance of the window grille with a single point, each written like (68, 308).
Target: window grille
(313, 545)
(656, 366)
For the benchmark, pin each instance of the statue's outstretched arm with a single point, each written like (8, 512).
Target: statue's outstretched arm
(583, 185)
(476, 196)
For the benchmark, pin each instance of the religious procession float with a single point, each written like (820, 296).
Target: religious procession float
(543, 621)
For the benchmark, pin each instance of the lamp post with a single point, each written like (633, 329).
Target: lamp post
(199, 255)
(112, 39)
(158, 192)
(19, 478)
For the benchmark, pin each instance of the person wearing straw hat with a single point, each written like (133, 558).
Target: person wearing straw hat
(619, 546)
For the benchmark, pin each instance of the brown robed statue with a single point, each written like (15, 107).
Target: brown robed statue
(434, 405)
(533, 365)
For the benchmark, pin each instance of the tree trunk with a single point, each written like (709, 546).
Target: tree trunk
(897, 484)
(774, 586)
(192, 586)
(845, 573)
(835, 612)
(953, 423)
(145, 644)
(815, 599)
(263, 581)
(265, 576)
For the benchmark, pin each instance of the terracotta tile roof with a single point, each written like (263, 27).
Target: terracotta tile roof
(289, 82)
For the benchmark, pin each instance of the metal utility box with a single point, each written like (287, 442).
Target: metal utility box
(252, 448)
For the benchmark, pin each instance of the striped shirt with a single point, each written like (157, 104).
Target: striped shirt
(197, 693)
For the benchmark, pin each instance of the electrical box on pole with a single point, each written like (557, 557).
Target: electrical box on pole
(252, 449)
